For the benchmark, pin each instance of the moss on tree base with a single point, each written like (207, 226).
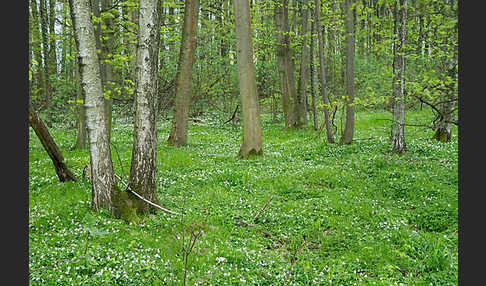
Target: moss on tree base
(442, 135)
(124, 207)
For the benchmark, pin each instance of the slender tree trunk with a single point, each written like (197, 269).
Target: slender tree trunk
(322, 72)
(52, 39)
(312, 74)
(37, 47)
(304, 72)
(45, 49)
(286, 66)
(81, 116)
(398, 129)
(107, 49)
(252, 134)
(104, 188)
(348, 132)
(62, 171)
(178, 133)
(144, 153)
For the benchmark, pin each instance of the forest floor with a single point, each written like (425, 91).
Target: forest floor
(339, 215)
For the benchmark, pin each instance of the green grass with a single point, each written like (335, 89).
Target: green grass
(368, 217)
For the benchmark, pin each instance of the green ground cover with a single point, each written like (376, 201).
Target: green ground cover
(348, 215)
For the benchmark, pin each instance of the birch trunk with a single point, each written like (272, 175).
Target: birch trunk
(252, 134)
(178, 133)
(144, 153)
(104, 188)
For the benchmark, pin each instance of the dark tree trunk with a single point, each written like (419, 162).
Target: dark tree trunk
(348, 132)
(178, 133)
(62, 171)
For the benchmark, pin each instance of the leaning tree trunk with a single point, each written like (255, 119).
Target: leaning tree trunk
(62, 171)
(252, 133)
(104, 189)
(322, 71)
(178, 133)
(144, 153)
(398, 129)
(286, 66)
(348, 132)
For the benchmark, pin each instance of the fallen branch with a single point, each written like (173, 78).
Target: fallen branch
(144, 199)
(405, 124)
(263, 208)
(233, 116)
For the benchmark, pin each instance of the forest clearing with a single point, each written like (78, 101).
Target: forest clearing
(243, 142)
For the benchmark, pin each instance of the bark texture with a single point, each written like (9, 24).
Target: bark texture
(62, 171)
(252, 134)
(286, 66)
(178, 133)
(104, 188)
(348, 132)
(398, 129)
(304, 69)
(322, 72)
(144, 152)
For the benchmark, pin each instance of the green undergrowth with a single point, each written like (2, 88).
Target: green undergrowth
(357, 214)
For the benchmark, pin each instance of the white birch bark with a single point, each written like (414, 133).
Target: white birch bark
(103, 180)
(144, 153)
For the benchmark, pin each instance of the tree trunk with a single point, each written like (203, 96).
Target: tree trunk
(312, 75)
(398, 129)
(144, 153)
(62, 171)
(304, 64)
(286, 66)
(107, 48)
(52, 40)
(37, 47)
(81, 116)
(322, 72)
(45, 49)
(252, 134)
(178, 133)
(443, 130)
(348, 132)
(104, 189)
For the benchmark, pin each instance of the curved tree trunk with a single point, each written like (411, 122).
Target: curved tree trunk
(62, 171)
(322, 72)
(144, 153)
(252, 134)
(178, 133)
(348, 132)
